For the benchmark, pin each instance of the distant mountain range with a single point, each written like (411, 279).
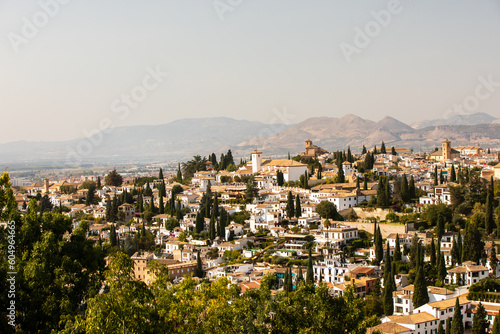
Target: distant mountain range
(468, 119)
(181, 139)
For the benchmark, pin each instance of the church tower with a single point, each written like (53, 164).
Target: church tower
(446, 149)
(256, 161)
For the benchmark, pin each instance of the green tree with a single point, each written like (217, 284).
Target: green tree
(420, 293)
(473, 245)
(496, 326)
(433, 253)
(448, 325)
(125, 308)
(480, 323)
(160, 174)
(397, 249)
(457, 326)
(309, 273)
(113, 179)
(405, 191)
(290, 208)
(199, 268)
(327, 209)
(251, 190)
(442, 269)
(393, 151)
(488, 219)
(179, 174)
(411, 188)
(440, 328)
(298, 209)
(279, 178)
(453, 174)
(382, 148)
(340, 174)
(493, 259)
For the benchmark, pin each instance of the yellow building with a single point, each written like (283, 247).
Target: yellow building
(445, 153)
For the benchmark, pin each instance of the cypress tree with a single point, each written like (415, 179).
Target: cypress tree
(448, 325)
(480, 322)
(381, 193)
(365, 183)
(420, 293)
(454, 252)
(440, 328)
(397, 249)
(387, 264)
(435, 176)
(493, 259)
(393, 151)
(161, 206)
(488, 218)
(382, 148)
(453, 174)
(215, 208)
(179, 173)
(340, 174)
(211, 228)
(199, 267)
(160, 174)
(357, 183)
(433, 253)
(411, 188)
(405, 192)
(379, 249)
(298, 209)
(300, 277)
(309, 273)
(459, 248)
(496, 326)
(112, 236)
(457, 326)
(363, 151)
(442, 269)
(200, 222)
(290, 210)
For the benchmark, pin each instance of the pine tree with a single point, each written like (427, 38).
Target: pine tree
(457, 326)
(298, 209)
(290, 210)
(397, 249)
(480, 322)
(309, 273)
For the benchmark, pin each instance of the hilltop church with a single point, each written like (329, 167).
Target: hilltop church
(446, 153)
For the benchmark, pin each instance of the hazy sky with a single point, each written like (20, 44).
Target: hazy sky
(241, 59)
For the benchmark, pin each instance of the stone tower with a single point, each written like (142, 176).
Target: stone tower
(256, 161)
(446, 149)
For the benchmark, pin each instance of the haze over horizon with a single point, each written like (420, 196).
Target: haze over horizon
(260, 56)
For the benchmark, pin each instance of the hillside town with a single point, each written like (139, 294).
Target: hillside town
(412, 235)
